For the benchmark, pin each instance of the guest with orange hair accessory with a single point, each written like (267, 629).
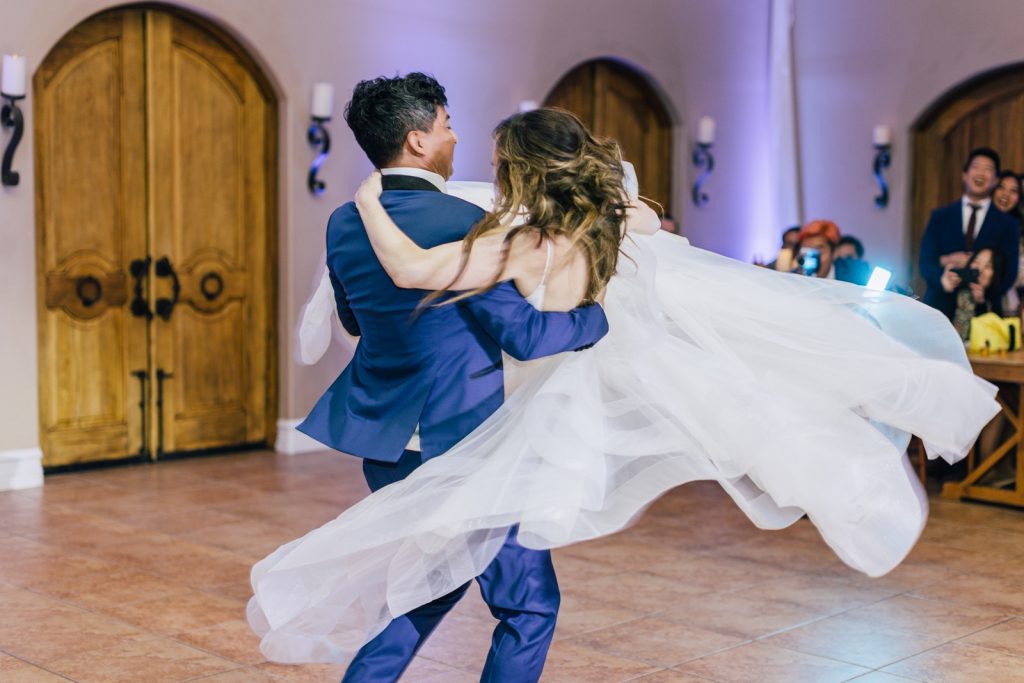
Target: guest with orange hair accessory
(815, 248)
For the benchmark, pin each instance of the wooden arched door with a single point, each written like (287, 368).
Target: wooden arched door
(984, 112)
(155, 142)
(616, 101)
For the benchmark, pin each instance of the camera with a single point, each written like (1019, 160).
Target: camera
(967, 275)
(809, 261)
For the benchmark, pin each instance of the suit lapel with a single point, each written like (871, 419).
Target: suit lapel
(987, 226)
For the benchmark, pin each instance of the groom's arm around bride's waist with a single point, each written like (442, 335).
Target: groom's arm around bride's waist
(525, 333)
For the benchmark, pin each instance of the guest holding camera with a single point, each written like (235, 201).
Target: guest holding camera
(815, 249)
(975, 288)
(959, 230)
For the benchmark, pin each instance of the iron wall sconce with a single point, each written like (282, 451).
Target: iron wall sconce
(703, 159)
(883, 159)
(12, 89)
(323, 103)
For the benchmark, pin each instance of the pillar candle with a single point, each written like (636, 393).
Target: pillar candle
(13, 82)
(323, 100)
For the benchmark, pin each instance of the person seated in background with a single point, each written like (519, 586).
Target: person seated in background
(850, 265)
(790, 237)
(815, 250)
(958, 230)
(975, 289)
(849, 247)
(1006, 198)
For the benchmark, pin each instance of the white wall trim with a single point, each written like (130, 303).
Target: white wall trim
(21, 469)
(290, 441)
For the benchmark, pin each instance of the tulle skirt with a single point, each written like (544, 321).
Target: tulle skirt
(797, 395)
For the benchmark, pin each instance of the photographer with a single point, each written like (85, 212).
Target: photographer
(975, 289)
(815, 248)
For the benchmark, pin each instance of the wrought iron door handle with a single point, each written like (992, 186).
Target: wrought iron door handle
(142, 376)
(139, 269)
(164, 306)
(161, 375)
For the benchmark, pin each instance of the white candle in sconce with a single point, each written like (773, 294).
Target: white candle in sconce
(882, 135)
(12, 83)
(706, 131)
(323, 100)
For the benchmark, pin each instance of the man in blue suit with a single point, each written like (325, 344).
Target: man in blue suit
(423, 379)
(959, 230)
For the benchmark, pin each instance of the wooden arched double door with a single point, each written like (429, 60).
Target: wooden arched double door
(156, 248)
(984, 112)
(615, 101)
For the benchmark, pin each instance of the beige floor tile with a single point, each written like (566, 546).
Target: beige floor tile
(669, 676)
(879, 677)
(460, 642)
(740, 616)
(656, 642)
(184, 611)
(960, 663)
(103, 590)
(1007, 637)
(13, 670)
(907, 614)
(717, 574)
(581, 614)
(306, 673)
(857, 641)
(995, 592)
(232, 640)
(45, 640)
(818, 593)
(246, 675)
(636, 591)
(153, 661)
(767, 664)
(572, 663)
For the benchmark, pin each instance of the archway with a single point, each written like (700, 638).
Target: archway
(155, 149)
(984, 111)
(617, 101)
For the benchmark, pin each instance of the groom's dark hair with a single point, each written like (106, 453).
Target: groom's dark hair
(383, 111)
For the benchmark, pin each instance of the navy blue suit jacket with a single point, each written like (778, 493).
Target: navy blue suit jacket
(945, 235)
(440, 369)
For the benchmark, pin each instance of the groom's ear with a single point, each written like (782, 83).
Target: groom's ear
(415, 143)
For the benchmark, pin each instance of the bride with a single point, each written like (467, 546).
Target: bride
(797, 395)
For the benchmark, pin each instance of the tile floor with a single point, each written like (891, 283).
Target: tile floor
(139, 575)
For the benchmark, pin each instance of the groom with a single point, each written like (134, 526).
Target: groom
(421, 381)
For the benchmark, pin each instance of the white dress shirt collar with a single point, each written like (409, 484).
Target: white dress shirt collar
(434, 179)
(965, 204)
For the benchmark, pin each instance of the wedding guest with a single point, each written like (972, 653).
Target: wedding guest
(957, 231)
(979, 292)
(849, 247)
(790, 236)
(1006, 195)
(1006, 198)
(815, 248)
(850, 265)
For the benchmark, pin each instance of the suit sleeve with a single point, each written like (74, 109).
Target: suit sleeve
(348, 320)
(928, 259)
(525, 333)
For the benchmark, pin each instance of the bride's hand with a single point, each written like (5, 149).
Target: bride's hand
(370, 189)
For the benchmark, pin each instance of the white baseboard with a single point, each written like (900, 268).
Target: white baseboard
(290, 441)
(21, 469)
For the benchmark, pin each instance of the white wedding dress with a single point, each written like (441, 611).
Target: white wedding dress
(797, 395)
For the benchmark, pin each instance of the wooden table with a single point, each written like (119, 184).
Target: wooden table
(1002, 369)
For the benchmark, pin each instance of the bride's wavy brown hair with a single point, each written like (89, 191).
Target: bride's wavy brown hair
(563, 181)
